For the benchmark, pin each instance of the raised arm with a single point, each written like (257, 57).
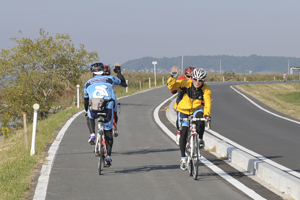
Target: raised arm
(172, 83)
(117, 70)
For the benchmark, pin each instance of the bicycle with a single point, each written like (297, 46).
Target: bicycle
(192, 149)
(100, 147)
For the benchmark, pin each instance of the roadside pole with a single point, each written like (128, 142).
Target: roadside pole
(36, 108)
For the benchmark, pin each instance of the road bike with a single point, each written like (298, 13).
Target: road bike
(100, 147)
(192, 149)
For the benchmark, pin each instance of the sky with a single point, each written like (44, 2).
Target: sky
(122, 30)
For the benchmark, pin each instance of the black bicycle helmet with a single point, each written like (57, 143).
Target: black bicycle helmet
(97, 68)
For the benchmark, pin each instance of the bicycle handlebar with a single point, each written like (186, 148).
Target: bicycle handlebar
(194, 119)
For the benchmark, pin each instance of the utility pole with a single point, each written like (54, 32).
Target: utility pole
(154, 63)
(220, 67)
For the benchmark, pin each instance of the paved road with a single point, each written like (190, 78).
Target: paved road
(145, 161)
(239, 120)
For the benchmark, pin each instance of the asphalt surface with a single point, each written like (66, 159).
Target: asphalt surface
(145, 161)
(240, 121)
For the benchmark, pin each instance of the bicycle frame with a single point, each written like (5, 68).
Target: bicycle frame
(192, 149)
(100, 147)
(100, 133)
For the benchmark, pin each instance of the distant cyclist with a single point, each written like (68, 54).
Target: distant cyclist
(102, 87)
(194, 92)
(115, 119)
(187, 75)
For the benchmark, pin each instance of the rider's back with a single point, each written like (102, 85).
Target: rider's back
(101, 86)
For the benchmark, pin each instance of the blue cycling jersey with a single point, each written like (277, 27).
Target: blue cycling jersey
(101, 86)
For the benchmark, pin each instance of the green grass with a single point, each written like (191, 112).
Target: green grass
(283, 97)
(17, 166)
(290, 97)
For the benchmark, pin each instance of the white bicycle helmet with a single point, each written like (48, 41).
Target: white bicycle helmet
(199, 74)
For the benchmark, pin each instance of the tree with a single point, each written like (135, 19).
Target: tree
(34, 71)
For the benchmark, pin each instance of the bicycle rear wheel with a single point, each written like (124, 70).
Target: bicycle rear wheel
(101, 155)
(195, 158)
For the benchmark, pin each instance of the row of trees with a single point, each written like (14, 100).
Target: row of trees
(37, 71)
(237, 64)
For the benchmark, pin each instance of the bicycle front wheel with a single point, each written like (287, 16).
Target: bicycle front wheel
(195, 158)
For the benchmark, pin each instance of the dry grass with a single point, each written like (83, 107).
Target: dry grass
(277, 96)
(16, 164)
(18, 168)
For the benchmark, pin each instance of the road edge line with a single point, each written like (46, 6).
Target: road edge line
(249, 192)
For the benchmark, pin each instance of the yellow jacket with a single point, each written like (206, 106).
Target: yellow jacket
(189, 99)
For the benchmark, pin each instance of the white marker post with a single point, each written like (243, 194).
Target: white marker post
(35, 107)
(149, 82)
(127, 86)
(77, 95)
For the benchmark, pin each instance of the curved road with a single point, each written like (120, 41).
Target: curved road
(145, 160)
(240, 121)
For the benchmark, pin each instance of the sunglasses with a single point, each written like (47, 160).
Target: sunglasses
(188, 76)
(197, 80)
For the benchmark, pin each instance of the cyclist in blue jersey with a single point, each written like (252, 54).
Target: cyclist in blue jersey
(115, 120)
(101, 87)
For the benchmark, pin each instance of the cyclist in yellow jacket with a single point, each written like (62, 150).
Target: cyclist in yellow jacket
(195, 99)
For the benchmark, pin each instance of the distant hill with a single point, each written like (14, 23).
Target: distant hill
(237, 64)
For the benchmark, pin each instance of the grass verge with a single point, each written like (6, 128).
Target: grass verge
(17, 167)
(16, 164)
(282, 97)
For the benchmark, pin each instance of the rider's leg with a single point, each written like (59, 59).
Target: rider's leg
(109, 140)
(108, 124)
(91, 125)
(116, 118)
(183, 132)
(183, 138)
(200, 127)
(178, 131)
(182, 141)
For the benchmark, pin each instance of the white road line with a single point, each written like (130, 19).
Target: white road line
(42, 185)
(251, 193)
(297, 122)
(281, 167)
